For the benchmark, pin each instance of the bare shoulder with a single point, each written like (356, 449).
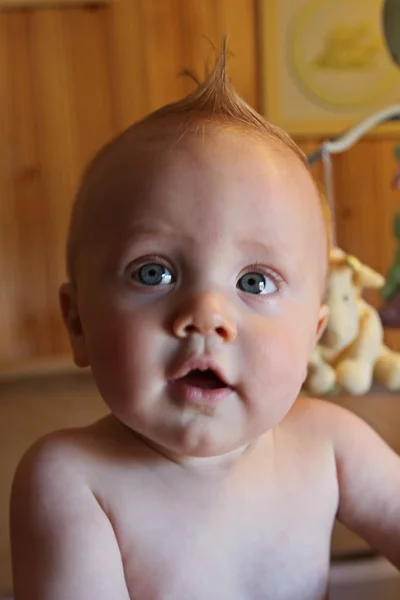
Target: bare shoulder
(54, 513)
(61, 463)
(348, 435)
(344, 428)
(355, 443)
(321, 417)
(48, 463)
(367, 472)
(49, 480)
(58, 456)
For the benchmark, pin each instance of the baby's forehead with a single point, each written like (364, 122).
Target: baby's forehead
(154, 174)
(213, 178)
(149, 171)
(139, 154)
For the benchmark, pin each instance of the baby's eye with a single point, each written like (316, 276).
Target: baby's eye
(153, 274)
(256, 283)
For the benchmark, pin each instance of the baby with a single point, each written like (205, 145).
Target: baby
(197, 259)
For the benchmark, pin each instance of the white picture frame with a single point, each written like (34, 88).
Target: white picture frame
(325, 65)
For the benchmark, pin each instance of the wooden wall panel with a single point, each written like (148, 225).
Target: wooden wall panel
(128, 69)
(23, 230)
(151, 43)
(365, 206)
(69, 80)
(365, 203)
(8, 249)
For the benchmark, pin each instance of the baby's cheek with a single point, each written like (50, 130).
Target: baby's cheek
(280, 355)
(112, 343)
(108, 342)
(277, 366)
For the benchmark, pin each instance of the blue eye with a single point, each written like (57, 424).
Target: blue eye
(256, 283)
(153, 274)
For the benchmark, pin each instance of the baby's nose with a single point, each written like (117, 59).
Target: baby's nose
(207, 314)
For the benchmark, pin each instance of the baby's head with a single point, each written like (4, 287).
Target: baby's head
(197, 257)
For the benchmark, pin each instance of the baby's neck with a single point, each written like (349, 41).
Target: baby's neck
(221, 462)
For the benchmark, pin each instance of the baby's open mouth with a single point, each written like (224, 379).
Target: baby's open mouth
(206, 380)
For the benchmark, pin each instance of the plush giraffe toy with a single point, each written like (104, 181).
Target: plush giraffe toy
(351, 353)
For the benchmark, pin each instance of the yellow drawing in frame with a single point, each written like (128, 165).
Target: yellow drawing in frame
(325, 63)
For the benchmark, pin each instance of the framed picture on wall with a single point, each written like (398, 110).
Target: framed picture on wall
(325, 65)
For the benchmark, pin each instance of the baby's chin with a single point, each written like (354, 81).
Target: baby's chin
(201, 432)
(202, 438)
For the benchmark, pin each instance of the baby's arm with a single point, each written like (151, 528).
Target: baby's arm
(63, 545)
(369, 484)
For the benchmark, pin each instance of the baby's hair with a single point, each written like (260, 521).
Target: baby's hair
(215, 100)
(213, 103)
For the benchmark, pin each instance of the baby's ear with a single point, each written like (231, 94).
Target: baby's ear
(70, 314)
(322, 321)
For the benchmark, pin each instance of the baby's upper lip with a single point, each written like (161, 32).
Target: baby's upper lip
(200, 364)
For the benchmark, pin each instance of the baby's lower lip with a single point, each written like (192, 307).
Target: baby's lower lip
(190, 394)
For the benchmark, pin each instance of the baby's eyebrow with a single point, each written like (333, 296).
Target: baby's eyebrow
(273, 248)
(276, 253)
(140, 231)
(142, 228)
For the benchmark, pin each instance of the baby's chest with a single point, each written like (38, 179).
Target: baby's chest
(234, 545)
